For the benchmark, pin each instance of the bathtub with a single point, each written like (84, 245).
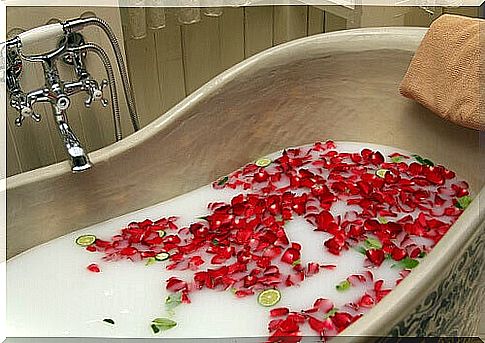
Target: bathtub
(340, 86)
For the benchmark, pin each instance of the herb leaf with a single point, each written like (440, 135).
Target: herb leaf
(173, 300)
(396, 159)
(463, 202)
(223, 180)
(155, 328)
(109, 321)
(361, 249)
(408, 263)
(295, 263)
(424, 161)
(331, 313)
(382, 220)
(373, 243)
(162, 324)
(150, 261)
(343, 286)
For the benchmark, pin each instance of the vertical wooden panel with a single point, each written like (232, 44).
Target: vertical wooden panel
(142, 59)
(34, 141)
(290, 22)
(334, 23)
(468, 11)
(202, 52)
(13, 161)
(373, 16)
(105, 117)
(231, 33)
(316, 22)
(258, 28)
(416, 16)
(168, 48)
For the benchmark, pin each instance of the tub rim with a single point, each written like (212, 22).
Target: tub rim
(209, 88)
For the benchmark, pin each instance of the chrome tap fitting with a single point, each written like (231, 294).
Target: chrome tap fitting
(78, 158)
(71, 49)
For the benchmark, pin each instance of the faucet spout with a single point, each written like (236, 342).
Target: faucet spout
(78, 158)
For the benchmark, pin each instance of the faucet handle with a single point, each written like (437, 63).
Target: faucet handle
(24, 109)
(24, 114)
(95, 92)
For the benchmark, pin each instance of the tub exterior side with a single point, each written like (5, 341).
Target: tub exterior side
(453, 307)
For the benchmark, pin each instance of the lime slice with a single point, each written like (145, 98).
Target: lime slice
(263, 162)
(269, 297)
(85, 240)
(381, 172)
(162, 256)
(161, 233)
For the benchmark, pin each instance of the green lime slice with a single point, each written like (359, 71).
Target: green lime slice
(263, 162)
(269, 297)
(381, 172)
(85, 240)
(162, 256)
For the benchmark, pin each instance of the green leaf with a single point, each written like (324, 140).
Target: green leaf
(295, 263)
(162, 324)
(373, 243)
(155, 328)
(343, 286)
(396, 159)
(215, 242)
(422, 254)
(463, 202)
(424, 161)
(150, 261)
(408, 263)
(172, 301)
(361, 249)
(331, 313)
(203, 218)
(223, 180)
(109, 321)
(382, 220)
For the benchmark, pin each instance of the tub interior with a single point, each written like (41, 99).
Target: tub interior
(288, 97)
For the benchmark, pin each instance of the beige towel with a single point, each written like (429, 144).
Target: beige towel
(446, 74)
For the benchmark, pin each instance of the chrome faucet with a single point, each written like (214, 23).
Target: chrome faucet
(79, 159)
(72, 50)
(56, 93)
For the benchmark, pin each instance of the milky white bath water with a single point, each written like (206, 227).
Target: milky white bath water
(51, 293)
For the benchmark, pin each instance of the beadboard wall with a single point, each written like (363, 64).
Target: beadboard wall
(170, 63)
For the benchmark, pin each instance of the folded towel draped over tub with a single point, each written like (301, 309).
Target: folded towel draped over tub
(447, 72)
